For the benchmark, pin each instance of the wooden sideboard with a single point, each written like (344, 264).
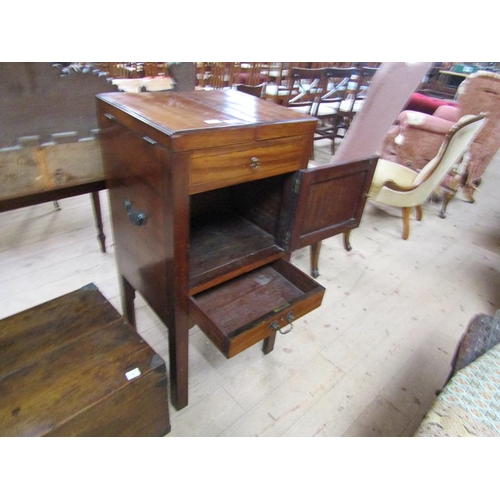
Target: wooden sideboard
(209, 194)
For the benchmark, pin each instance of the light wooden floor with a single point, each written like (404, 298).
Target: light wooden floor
(367, 363)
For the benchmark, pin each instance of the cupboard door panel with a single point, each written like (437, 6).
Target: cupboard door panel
(326, 201)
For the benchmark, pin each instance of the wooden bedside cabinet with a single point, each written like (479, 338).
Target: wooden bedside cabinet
(209, 195)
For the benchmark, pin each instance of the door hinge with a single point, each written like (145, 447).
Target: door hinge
(287, 238)
(296, 185)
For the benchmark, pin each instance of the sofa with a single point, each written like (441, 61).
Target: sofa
(469, 403)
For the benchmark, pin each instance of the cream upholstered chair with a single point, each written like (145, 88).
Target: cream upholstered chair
(399, 186)
(388, 93)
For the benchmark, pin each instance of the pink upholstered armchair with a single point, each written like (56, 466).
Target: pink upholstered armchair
(416, 137)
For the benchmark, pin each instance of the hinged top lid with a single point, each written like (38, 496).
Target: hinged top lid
(184, 121)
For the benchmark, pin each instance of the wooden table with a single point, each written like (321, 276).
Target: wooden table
(74, 367)
(209, 195)
(33, 174)
(48, 140)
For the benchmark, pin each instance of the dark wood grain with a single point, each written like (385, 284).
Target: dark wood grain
(64, 366)
(326, 201)
(226, 245)
(47, 327)
(195, 120)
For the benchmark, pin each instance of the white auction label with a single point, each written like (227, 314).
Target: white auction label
(133, 373)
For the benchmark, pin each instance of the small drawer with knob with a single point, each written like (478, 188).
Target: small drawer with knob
(245, 310)
(219, 167)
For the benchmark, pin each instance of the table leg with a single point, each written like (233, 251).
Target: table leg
(178, 339)
(98, 220)
(269, 343)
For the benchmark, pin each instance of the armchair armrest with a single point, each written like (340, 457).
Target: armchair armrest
(394, 186)
(450, 113)
(423, 121)
(415, 139)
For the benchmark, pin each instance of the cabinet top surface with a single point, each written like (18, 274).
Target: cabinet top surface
(176, 113)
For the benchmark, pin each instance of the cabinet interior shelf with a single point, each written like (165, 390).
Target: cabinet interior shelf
(225, 247)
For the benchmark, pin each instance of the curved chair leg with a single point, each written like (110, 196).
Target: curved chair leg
(346, 235)
(314, 250)
(418, 209)
(468, 193)
(406, 222)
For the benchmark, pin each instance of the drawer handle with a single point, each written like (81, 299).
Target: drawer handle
(254, 163)
(137, 218)
(276, 327)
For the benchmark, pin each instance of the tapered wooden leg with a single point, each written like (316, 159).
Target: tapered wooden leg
(268, 345)
(447, 197)
(128, 296)
(96, 204)
(314, 251)
(346, 236)
(178, 339)
(418, 209)
(406, 222)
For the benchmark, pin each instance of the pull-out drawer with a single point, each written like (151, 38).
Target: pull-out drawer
(241, 312)
(218, 167)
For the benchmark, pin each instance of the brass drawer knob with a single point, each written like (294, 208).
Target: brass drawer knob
(276, 327)
(254, 163)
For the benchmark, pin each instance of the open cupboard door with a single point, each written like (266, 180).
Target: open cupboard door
(254, 306)
(324, 201)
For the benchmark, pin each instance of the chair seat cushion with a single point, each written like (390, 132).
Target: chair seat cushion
(347, 105)
(275, 90)
(306, 110)
(387, 170)
(327, 109)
